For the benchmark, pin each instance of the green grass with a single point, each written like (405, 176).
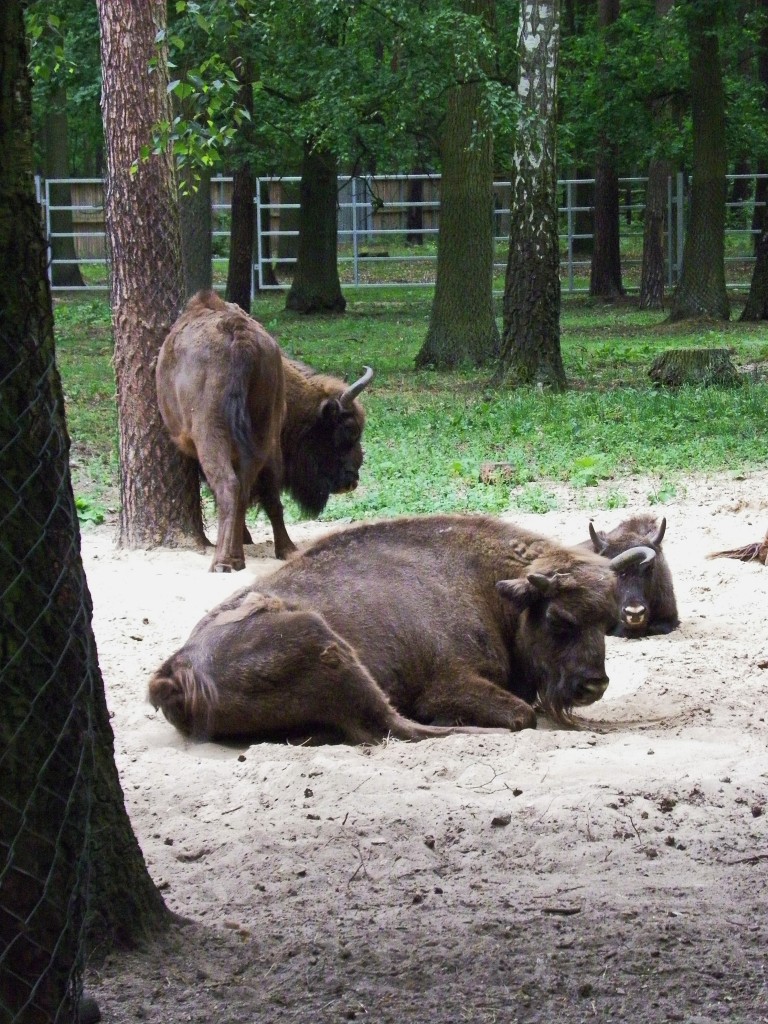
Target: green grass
(429, 434)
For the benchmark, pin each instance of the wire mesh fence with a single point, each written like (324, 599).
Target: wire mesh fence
(48, 666)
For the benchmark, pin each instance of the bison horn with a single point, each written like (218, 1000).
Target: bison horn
(640, 555)
(347, 397)
(598, 540)
(659, 535)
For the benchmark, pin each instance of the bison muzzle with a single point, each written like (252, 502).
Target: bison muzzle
(411, 627)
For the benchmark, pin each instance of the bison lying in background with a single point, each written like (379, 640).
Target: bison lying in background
(757, 552)
(413, 627)
(646, 598)
(255, 421)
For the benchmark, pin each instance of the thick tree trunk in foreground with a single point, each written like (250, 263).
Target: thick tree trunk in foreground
(159, 488)
(316, 287)
(702, 291)
(60, 796)
(530, 347)
(462, 326)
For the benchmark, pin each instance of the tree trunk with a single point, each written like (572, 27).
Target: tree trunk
(243, 224)
(160, 493)
(414, 214)
(462, 326)
(196, 221)
(530, 347)
(241, 238)
(605, 277)
(55, 736)
(316, 287)
(654, 218)
(756, 307)
(56, 165)
(702, 291)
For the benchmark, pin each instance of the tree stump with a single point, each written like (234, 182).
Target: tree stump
(703, 367)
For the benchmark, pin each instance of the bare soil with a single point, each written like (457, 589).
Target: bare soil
(612, 873)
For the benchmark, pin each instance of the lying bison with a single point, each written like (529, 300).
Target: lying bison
(757, 552)
(256, 422)
(413, 627)
(646, 598)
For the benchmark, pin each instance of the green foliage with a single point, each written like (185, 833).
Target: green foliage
(431, 436)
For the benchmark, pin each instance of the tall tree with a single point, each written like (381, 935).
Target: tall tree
(65, 269)
(159, 488)
(196, 223)
(241, 234)
(756, 306)
(462, 326)
(659, 170)
(701, 291)
(605, 277)
(315, 287)
(62, 806)
(530, 345)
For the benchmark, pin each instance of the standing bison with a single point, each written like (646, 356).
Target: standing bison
(646, 597)
(256, 422)
(413, 627)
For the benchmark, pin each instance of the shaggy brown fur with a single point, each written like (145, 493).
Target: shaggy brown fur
(411, 627)
(256, 422)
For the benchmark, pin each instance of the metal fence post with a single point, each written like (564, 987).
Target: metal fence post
(260, 278)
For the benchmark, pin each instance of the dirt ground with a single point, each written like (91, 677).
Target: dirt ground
(612, 873)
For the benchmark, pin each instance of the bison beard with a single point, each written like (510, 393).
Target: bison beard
(412, 627)
(256, 422)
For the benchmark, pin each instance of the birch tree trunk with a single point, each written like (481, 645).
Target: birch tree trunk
(159, 488)
(530, 347)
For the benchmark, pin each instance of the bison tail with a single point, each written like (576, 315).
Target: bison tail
(236, 403)
(187, 698)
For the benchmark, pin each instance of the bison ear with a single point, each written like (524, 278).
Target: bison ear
(330, 410)
(599, 541)
(524, 593)
(559, 616)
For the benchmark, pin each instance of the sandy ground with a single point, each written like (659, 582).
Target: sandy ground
(614, 873)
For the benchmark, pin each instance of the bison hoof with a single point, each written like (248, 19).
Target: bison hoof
(221, 567)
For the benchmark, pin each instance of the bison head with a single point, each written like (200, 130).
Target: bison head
(638, 582)
(329, 455)
(563, 617)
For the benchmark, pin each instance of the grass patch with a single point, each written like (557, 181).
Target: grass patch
(430, 434)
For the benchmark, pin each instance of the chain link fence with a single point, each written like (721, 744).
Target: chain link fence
(48, 667)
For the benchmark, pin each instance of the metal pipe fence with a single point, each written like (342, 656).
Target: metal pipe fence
(387, 236)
